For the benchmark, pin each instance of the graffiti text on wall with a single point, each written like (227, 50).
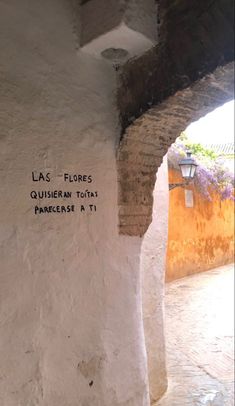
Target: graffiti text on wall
(82, 198)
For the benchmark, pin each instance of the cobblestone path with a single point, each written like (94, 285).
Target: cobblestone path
(200, 339)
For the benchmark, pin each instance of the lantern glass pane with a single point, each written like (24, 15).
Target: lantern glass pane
(193, 170)
(185, 170)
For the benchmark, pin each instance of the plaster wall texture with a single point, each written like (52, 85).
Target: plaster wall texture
(153, 264)
(71, 317)
(129, 25)
(200, 237)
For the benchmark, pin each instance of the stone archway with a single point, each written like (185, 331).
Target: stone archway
(141, 151)
(146, 141)
(187, 74)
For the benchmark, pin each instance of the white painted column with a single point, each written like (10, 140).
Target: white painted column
(153, 256)
(71, 328)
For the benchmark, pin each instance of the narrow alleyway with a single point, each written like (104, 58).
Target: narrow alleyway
(200, 335)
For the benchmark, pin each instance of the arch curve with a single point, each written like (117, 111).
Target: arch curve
(147, 139)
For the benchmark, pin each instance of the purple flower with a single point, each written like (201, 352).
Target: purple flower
(212, 174)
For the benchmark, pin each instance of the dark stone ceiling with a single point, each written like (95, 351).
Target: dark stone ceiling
(195, 37)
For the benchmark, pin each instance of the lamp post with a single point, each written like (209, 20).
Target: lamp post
(188, 168)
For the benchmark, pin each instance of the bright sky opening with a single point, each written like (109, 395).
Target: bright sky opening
(216, 127)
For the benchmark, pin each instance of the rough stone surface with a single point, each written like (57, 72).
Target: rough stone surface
(194, 39)
(147, 140)
(153, 262)
(200, 339)
(193, 62)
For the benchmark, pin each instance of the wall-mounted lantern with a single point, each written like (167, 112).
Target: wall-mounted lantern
(188, 168)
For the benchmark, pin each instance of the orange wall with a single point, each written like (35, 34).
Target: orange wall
(200, 238)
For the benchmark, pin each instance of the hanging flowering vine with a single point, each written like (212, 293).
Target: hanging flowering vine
(212, 174)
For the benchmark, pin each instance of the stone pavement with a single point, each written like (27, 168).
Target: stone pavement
(200, 339)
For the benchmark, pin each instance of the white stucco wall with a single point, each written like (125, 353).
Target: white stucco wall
(153, 263)
(71, 329)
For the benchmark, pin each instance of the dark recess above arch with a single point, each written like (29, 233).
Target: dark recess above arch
(194, 39)
(84, 1)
